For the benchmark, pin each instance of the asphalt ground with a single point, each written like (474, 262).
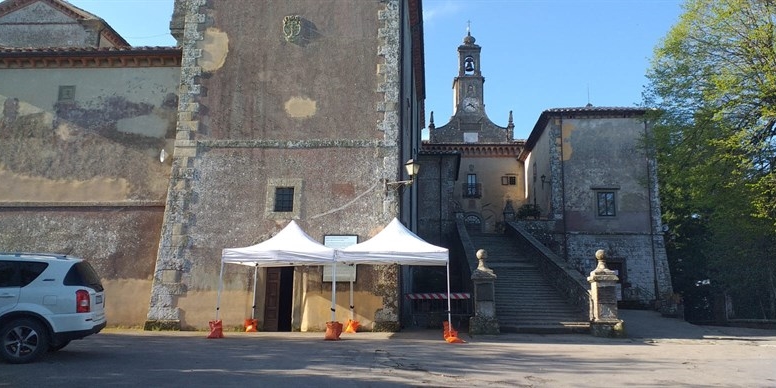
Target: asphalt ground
(658, 352)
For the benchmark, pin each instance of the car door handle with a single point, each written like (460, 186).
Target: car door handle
(7, 296)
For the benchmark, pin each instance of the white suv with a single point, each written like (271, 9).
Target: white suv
(46, 300)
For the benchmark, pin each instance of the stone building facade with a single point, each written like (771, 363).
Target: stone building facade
(581, 177)
(84, 119)
(297, 110)
(598, 189)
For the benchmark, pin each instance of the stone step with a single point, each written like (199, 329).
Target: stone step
(525, 301)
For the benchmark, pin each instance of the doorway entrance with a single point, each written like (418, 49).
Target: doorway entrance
(278, 299)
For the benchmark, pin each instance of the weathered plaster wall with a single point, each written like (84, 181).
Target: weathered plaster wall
(540, 157)
(320, 88)
(102, 146)
(604, 153)
(120, 242)
(84, 176)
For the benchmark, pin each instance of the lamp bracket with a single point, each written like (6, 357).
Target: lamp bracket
(396, 185)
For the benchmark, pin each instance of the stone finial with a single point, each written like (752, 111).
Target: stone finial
(600, 256)
(482, 255)
(431, 121)
(601, 272)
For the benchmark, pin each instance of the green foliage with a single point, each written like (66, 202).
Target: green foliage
(713, 86)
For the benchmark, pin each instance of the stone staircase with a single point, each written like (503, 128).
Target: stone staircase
(525, 301)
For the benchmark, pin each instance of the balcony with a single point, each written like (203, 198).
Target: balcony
(471, 190)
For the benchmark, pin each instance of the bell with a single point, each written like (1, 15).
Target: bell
(469, 66)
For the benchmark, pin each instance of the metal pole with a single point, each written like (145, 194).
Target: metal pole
(220, 286)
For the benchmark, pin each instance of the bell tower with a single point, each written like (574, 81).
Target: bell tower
(469, 122)
(468, 85)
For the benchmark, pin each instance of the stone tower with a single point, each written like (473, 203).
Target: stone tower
(489, 183)
(470, 123)
(296, 110)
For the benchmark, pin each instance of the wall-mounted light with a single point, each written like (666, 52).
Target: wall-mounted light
(412, 170)
(544, 177)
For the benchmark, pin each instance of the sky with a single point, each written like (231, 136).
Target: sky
(536, 54)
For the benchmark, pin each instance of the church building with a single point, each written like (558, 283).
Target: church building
(580, 182)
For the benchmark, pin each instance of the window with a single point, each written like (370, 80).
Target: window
(471, 189)
(510, 180)
(284, 199)
(606, 204)
(29, 271)
(66, 93)
(8, 274)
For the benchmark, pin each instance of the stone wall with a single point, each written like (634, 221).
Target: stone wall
(119, 241)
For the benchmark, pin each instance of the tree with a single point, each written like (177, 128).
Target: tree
(712, 83)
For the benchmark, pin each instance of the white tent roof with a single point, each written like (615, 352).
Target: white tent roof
(394, 245)
(290, 247)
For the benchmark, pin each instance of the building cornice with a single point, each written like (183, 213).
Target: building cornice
(479, 150)
(86, 57)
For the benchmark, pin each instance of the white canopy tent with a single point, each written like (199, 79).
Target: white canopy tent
(290, 247)
(398, 245)
(395, 244)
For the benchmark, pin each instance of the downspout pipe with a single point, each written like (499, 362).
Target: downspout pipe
(652, 215)
(563, 195)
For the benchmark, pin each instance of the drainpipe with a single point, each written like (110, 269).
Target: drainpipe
(563, 196)
(651, 215)
(440, 196)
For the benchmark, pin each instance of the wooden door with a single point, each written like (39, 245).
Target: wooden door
(272, 299)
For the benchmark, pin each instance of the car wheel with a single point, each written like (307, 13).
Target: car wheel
(54, 348)
(23, 340)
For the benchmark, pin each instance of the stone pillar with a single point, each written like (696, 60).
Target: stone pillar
(603, 300)
(484, 320)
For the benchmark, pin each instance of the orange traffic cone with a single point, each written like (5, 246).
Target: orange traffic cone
(216, 329)
(352, 326)
(333, 331)
(251, 325)
(450, 334)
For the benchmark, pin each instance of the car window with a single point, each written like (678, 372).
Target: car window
(82, 274)
(8, 274)
(30, 270)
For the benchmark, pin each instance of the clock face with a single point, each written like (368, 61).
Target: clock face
(470, 104)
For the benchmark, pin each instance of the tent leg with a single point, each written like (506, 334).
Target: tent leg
(255, 278)
(220, 286)
(333, 291)
(351, 300)
(449, 308)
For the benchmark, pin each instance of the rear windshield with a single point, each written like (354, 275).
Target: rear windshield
(82, 274)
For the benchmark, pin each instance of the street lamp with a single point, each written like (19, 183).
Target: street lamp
(412, 170)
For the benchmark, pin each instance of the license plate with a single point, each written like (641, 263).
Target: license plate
(98, 299)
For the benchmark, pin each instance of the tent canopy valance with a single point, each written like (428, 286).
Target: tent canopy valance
(395, 244)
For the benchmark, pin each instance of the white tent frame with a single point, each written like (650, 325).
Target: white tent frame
(290, 247)
(396, 244)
